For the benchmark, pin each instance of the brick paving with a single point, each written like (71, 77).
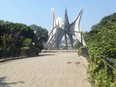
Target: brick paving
(47, 70)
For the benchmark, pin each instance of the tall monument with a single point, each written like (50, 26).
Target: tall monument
(65, 29)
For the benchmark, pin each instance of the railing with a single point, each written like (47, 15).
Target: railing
(110, 62)
(108, 65)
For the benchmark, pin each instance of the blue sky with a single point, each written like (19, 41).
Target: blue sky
(39, 11)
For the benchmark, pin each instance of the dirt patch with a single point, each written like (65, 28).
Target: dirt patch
(68, 62)
(76, 62)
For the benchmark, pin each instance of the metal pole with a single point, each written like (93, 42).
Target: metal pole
(66, 41)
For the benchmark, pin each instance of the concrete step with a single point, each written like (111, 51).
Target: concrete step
(59, 51)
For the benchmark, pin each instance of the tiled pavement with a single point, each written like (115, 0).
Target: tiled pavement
(47, 70)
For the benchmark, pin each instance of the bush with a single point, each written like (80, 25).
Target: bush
(101, 41)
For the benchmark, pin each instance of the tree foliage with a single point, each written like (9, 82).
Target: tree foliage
(18, 36)
(101, 40)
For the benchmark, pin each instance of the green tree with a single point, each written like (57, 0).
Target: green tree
(101, 41)
(17, 36)
(27, 42)
(41, 33)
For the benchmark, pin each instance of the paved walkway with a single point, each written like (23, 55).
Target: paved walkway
(47, 70)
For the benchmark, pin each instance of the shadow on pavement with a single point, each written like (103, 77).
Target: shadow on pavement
(3, 83)
(41, 54)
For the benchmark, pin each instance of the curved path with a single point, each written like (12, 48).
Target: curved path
(46, 70)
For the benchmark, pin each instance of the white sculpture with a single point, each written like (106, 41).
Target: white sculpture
(60, 29)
